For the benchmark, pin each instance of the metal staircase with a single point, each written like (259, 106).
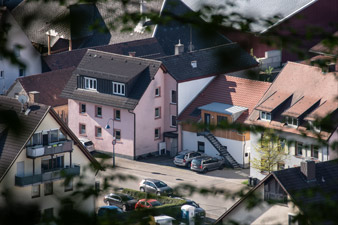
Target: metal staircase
(230, 161)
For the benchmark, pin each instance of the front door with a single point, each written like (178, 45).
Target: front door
(173, 147)
(206, 121)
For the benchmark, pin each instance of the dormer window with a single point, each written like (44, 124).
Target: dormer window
(118, 88)
(291, 121)
(90, 83)
(265, 116)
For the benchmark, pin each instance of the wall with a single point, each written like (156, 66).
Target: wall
(62, 111)
(291, 160)
(24, 194)
(125, 147)
(28, 55)
(145, 113)
(333, 153)
(262, 214)
(188, 90)
(235, 148)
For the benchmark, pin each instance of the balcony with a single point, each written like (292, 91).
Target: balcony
(56, 174)
(59, 147)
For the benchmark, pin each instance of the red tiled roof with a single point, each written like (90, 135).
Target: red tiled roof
(228, 90)
(323, 48)
(324, 109)
(273, 101)
(300, 80)
(49, 84)
(300, 107)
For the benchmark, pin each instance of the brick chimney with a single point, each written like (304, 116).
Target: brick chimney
(308, 168)
(34, 96)
(179, 48)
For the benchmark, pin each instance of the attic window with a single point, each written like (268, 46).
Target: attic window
(194, 64)
(265, 116)
(291, 121)
(118, 88)
(90, 83)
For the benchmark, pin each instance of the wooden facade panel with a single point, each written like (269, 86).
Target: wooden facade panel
(213, 117)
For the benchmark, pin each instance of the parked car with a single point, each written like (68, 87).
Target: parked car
(155, 186)
(147, 203)
(88, 144)
(110, 212)
(199, 212)
(184, 158)
(123, 201)
(204, 164)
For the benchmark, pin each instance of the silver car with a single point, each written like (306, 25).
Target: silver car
(155, 186)
(204, 164)
(184, 158)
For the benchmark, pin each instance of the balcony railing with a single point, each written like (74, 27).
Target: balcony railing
(59, 147)
(47, 176)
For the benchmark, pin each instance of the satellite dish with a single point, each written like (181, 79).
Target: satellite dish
(22, 99)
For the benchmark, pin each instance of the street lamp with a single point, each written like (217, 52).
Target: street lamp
(107, 127)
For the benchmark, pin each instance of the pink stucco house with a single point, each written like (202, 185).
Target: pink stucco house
(137, 94)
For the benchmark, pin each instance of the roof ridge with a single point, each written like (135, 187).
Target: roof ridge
(44, 73)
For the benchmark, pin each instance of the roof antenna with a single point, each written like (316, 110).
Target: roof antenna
(191, 47)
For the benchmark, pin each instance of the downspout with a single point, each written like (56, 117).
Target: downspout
(243, 148)
(134, 155)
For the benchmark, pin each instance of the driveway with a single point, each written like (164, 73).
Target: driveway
(163, 169)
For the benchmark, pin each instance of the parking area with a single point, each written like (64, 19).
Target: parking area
(163, 168)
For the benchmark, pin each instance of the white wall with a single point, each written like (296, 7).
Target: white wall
(235, 148)
(291, 160)
(188, 90)
(28, 55)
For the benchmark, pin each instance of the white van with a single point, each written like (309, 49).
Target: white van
(88, 144)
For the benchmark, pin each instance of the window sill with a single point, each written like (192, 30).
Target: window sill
(100, 117)
(173, 103)
(99, 138)
(83, 135)
(156, 118)
(83, 114)
(117, 120)
(157, 96)
(173, 126)
(155, 139)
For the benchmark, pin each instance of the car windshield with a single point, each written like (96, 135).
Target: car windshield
(180, 156)
(196, 161)
(155, 203)
(160, 184)
(126, 197)
(88, 143)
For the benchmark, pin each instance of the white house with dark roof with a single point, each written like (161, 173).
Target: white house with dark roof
(27, 54)
(37, 151)
(299, 98)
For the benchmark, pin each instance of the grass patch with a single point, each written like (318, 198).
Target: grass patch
(246, 182)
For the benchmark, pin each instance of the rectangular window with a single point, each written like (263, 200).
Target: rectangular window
(82, 108)
(90, 83)
(200, 146)
(291, 121)
(98, 111)
(22, 72)
(35, 191)
(68, 185)
(17, 51)
(48, 188)
(2, 74)
(157, 133)
(117, 134)
(299, 148)
(173, 121)
(98, 132)
(117, 114)
(51, 164)
(265, 116)
(158, 92)
(314, 151)
(82, 129)
(54, 136)
(173, 97)
(221, 119)
(158, 112)
(36, 139)
(118, 88)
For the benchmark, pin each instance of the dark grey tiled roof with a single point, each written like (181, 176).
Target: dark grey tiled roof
(212, 61)
(168, 35)
(116, 68)
(15, 129)
(306, 193)
(145, 48)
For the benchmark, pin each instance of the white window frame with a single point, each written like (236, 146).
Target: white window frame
(158, 89)
(122, 90)
(264, 116)
(171, 121)
(88, 86)
(293, 120)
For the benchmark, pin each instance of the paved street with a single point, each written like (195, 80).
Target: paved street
(163, 169)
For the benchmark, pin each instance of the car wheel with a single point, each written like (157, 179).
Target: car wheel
(158, 193)
(124, 208)
(205, 170)
(142, 189)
